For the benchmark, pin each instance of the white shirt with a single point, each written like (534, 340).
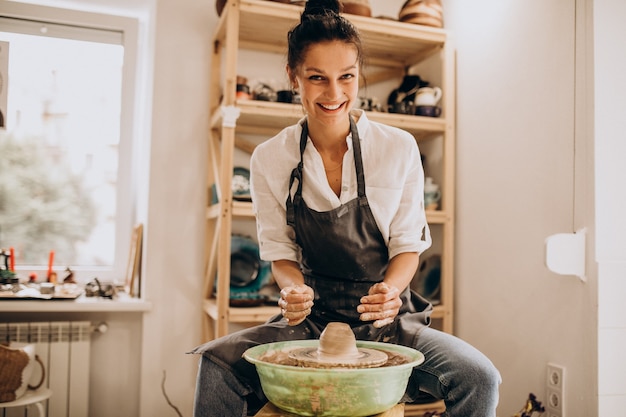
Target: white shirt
(394, 185)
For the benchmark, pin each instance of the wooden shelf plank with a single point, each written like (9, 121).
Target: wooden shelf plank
(265, 117)
(242, 314)
(243, 209)
(240, 209)
(392, 43)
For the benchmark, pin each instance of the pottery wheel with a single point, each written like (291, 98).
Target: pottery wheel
(312, 358)
(338, 349)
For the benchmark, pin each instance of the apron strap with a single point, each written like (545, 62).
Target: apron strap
(358, 162)
(296, 174)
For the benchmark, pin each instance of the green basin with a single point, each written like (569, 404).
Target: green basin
(333, 392)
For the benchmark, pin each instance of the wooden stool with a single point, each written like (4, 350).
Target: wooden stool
(420, 410)
(270, 410)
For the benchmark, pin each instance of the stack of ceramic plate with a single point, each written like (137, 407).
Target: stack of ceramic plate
(422, 12)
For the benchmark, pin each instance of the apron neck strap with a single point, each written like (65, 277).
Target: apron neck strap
(358, 160)
(296, 173)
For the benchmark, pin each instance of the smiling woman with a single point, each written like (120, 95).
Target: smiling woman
(65, 167)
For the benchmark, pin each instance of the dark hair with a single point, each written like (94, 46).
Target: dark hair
(321, 22)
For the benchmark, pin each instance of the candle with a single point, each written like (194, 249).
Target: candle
(12, 259)
(50, 263)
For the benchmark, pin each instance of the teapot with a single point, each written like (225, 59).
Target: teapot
(402, 99)
(428, 96)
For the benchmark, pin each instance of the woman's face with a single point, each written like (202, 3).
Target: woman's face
(328, 81)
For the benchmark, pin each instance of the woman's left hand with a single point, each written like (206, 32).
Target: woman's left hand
(382, 304)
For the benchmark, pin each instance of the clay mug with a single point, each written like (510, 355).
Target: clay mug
(428, 96)
(432, 194)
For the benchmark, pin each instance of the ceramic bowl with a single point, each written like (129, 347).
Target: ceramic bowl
(337, 392)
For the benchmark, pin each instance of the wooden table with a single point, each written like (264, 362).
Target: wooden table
(271, 410)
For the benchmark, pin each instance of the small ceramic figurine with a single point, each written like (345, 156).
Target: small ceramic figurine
(69, 278)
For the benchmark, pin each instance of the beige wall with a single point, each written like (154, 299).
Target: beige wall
(175, 237)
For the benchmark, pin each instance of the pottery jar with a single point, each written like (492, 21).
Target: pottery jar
(432, 194)
(428, 96)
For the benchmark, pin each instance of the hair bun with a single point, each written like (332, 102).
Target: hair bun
(321, 7)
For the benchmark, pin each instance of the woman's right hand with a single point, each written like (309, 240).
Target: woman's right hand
(295, 303)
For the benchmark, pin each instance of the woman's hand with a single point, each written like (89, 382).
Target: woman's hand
(382, 304)
(295, 303)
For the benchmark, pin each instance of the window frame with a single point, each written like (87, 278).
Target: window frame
(130, 125)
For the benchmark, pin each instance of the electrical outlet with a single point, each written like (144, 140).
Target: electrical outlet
(555, 390)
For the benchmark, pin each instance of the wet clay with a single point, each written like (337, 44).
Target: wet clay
(337, 349)
(281, 357)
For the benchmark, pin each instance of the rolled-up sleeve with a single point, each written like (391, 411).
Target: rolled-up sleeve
(395, 189)
(409, 229)
(269, 180)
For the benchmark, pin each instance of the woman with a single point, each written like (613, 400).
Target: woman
(340, 215)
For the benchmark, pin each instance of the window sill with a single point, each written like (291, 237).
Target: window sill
(82, 304)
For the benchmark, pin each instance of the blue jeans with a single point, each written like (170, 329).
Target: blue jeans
(453, 370)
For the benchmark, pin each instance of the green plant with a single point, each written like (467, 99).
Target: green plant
(43, 205)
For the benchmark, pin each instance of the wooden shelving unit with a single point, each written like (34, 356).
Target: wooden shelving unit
(392, 47)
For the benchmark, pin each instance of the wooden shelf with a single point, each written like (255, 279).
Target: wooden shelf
(243, 209)
(239, 209)
(270, 117)
(393, 49)
(263, 26)
(242, 314)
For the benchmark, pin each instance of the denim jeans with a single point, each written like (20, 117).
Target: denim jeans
(453, 370)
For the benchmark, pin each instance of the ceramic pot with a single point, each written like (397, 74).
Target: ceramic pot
(428, 96)
(358, 7)
(432, 194)
(422, 12)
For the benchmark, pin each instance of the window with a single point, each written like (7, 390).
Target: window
(65, 148)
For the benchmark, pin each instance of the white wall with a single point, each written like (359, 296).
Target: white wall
(610, 148)
(516, 153)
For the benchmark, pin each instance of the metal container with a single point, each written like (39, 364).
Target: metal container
(333, 392)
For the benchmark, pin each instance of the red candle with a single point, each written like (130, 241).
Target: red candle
(50, 263)
(12, 259)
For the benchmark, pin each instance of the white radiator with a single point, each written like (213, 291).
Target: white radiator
(64, 348)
